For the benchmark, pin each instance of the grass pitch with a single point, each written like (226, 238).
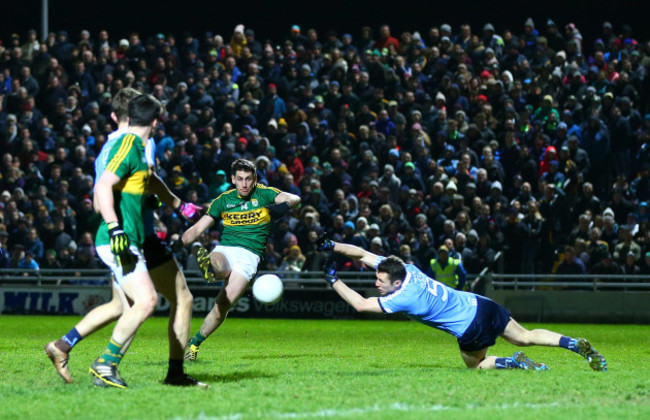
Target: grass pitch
(294, 369)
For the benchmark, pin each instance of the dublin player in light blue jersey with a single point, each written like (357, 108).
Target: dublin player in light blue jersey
(474, 320)
(165, 272)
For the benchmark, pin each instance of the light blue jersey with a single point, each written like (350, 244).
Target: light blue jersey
(149, 153)
(431, 302)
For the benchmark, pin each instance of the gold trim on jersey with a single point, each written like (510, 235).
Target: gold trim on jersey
(125, 147)
(135, 184)
(246, 218)
(264, 187)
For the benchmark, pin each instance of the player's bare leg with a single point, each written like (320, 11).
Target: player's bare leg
(170, 282)
(220, 265)
(235, 286)
(139, 289)
(520, 336)
(58, 351)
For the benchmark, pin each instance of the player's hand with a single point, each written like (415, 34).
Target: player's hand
(153, 202)
(323, 243)
(277, 210)
(330, 270)
(176, 245)
(118, 240)
(119, 244)
(190, 211)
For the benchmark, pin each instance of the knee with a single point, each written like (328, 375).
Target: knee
(148, 304)
(220, 265)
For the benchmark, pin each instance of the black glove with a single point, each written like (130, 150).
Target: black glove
(152, 201)
(176, 245)
(118, 240)
(330, 270)
(323, 243)
(277, 210)
(119, 243)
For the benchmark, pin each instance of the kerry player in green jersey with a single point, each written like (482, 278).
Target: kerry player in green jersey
(246, 213)
(120, 193)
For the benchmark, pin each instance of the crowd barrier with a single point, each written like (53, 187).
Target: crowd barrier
(539, 298)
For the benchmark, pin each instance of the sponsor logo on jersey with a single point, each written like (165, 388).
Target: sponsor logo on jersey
(251, 217)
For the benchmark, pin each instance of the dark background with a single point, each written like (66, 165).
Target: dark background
(273, 19)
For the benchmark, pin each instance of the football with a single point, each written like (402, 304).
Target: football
(268, 289)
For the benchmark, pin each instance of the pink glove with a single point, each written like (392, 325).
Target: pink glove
(190, 211)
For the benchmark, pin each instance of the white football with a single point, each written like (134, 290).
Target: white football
(268, 289)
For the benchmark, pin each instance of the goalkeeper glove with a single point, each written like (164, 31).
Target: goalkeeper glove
(190, 211)
(277, 210)
(330, 270)
(323, 243)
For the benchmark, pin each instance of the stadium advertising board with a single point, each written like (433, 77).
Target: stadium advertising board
(56, 300)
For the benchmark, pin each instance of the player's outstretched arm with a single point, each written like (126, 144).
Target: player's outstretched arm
(197, 229)
(285, 197)
(354, 299)
(351, 251)
(189, 211)
(282, 204)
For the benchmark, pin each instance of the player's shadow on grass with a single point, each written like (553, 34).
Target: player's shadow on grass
(427, 365)
(280, 356)
(235, 376)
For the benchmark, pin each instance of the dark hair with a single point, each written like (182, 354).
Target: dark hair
(143, 109)
(243, 165)
(395, 268)
(121, 101)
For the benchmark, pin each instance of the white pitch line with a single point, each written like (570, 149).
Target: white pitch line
(369, 410)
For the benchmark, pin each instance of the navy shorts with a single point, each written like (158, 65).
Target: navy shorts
(156, 252)
(489, 323)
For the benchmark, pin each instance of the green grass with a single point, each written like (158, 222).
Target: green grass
(323, 369)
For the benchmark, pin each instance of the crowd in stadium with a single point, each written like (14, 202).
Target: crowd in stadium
(531, 142)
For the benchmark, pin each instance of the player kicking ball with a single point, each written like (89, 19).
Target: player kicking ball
(246, 212)
(474, 320)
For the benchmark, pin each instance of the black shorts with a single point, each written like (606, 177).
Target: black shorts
(156, 252)
(489, 323)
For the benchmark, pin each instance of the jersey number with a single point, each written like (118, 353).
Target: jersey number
(432, 287)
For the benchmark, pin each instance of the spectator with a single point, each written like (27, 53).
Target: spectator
(571, 265)
(448, 270)
(368, 123)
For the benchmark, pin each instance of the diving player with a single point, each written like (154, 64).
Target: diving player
(474, 320)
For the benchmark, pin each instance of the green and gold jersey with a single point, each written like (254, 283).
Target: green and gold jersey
(126, 160)
(246, 221)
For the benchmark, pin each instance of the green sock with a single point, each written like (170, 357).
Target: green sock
(112, 353)
(197, 339)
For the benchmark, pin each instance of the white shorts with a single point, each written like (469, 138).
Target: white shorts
(104, 252)
(240, 260)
